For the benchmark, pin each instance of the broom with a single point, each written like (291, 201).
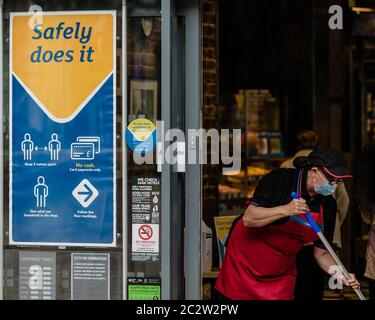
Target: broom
(321, 236)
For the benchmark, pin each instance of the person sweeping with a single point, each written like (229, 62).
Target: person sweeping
(260, 258)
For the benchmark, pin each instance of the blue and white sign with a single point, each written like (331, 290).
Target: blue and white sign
(62, 188)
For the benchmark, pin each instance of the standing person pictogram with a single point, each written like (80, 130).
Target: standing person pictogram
(54, 146)
(41, 192)
(27, 147)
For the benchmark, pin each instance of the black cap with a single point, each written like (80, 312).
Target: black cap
(331, 161)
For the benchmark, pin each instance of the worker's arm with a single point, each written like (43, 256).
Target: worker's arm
(326, 262)
(256, 216)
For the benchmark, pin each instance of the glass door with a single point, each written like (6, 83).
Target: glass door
(171, 185)
(142, 183)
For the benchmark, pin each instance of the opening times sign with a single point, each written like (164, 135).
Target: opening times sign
(37, 275)
(62, 128)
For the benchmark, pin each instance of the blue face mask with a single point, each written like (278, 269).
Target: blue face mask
(325, 189)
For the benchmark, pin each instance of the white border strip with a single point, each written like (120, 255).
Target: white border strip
(67, 244)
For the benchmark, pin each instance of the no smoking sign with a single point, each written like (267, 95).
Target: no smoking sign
(145, 238)
(145, 232)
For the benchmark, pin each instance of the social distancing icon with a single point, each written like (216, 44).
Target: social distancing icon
(29, 147)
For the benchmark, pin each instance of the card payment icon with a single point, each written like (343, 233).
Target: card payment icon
(85, 148)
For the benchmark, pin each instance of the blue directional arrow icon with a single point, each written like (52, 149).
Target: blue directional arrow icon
(85, 193)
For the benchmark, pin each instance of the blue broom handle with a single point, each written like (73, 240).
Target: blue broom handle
(321, 236)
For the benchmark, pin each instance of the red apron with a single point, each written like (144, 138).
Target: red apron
(260, 263)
